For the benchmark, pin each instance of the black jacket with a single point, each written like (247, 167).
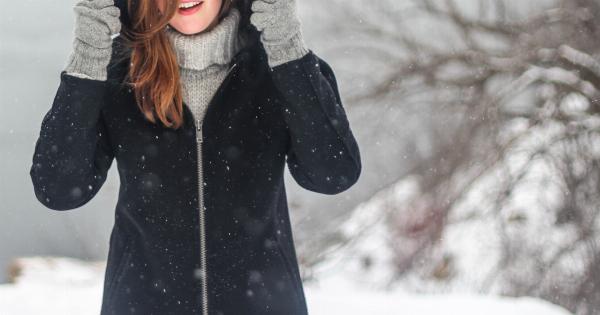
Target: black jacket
(259, 119)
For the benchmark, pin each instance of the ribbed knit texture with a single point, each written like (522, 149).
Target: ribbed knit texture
(204, 60)
(279, 53)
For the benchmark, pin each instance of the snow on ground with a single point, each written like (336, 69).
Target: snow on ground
(66, 286)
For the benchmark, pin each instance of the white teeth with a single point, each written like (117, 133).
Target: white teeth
(188, 4)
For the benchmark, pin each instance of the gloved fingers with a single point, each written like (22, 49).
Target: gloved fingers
(95, 28)
(97, 7)
(263, 20)
(112, 11)
(275, 19)
(112, 19)
(257, 19)
(261, 6)
(108, 16)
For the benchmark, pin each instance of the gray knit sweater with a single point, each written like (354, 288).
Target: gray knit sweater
(204, 60)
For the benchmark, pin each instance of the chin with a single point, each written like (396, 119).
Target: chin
(192, 32)
(191, 25)
(189, 30)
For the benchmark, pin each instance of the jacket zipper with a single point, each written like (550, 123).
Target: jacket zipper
(203, 264)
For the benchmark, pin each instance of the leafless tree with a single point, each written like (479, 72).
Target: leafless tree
(497, 82)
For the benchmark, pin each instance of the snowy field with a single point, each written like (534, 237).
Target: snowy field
(54, 286)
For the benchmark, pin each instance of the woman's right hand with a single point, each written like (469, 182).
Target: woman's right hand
(96, 21)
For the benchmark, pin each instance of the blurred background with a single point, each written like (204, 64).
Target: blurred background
(478, 123)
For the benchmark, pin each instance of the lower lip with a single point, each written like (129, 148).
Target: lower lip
(190, 11)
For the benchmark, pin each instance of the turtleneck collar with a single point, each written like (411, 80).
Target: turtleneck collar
(217, 46)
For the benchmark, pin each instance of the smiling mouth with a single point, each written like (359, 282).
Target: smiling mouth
(189, 7)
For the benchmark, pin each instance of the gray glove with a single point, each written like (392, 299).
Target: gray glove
(95, 23)
(280, 28)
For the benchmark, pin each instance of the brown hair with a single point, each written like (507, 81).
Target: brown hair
(153, 68)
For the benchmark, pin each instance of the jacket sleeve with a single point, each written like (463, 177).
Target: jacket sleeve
(72, 154)
(322, 153)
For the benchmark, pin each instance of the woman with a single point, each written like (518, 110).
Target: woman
(202, 108)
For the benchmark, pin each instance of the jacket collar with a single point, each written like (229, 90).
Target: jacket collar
(252, 63)
(247, 70)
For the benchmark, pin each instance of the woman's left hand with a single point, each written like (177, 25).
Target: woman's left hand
(280, 28)
(322, 154)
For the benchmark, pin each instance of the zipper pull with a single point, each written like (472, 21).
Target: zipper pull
(199, 129)
(231, 68)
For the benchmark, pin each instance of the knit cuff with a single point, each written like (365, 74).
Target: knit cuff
(282, 52)
(89, 61)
